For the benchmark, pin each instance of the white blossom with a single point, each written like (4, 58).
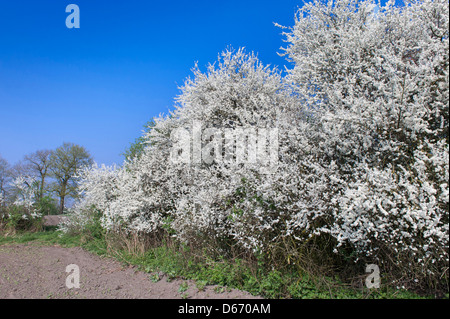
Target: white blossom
(362, 146)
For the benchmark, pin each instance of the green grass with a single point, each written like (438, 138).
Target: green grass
(223, 273)
(50, 236)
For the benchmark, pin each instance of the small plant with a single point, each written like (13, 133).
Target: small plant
(155, 277)
(148, 269)
(185, 296)
(183, 287)
(201, 284)
(219, 289)
(170, 276)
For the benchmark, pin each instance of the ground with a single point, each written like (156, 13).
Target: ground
(35, 271)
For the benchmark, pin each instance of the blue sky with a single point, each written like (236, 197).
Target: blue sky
(97, 85)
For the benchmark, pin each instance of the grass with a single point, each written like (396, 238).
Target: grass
(223, 273)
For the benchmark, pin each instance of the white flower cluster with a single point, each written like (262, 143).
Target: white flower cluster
(26, 187)
(379, 80)
(362, 147)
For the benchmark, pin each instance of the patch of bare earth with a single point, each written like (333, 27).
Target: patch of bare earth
(53, 220)
(33, 271)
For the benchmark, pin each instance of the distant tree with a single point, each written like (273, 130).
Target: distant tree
(65, 162)
(137, 147)
(38, 165)
(4, 177)
(18, 170)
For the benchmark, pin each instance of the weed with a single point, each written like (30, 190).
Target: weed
(155, 277)
(201, 284)
(183, 287)
(219, 289)
(185, 296)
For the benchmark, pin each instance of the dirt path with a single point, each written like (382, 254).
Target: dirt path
(33, 271)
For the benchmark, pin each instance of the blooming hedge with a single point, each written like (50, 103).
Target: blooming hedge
(362, 146)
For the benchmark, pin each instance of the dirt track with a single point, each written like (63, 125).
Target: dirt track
(32, 271)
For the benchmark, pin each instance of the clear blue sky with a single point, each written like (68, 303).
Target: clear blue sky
(96, 86)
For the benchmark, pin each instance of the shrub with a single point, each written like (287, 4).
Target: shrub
(47, 206)
(19, 218)
(362, 152)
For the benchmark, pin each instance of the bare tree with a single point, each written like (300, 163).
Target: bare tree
(38, 164)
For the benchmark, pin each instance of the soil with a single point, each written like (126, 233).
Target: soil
(53, 220)
(34, 271)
